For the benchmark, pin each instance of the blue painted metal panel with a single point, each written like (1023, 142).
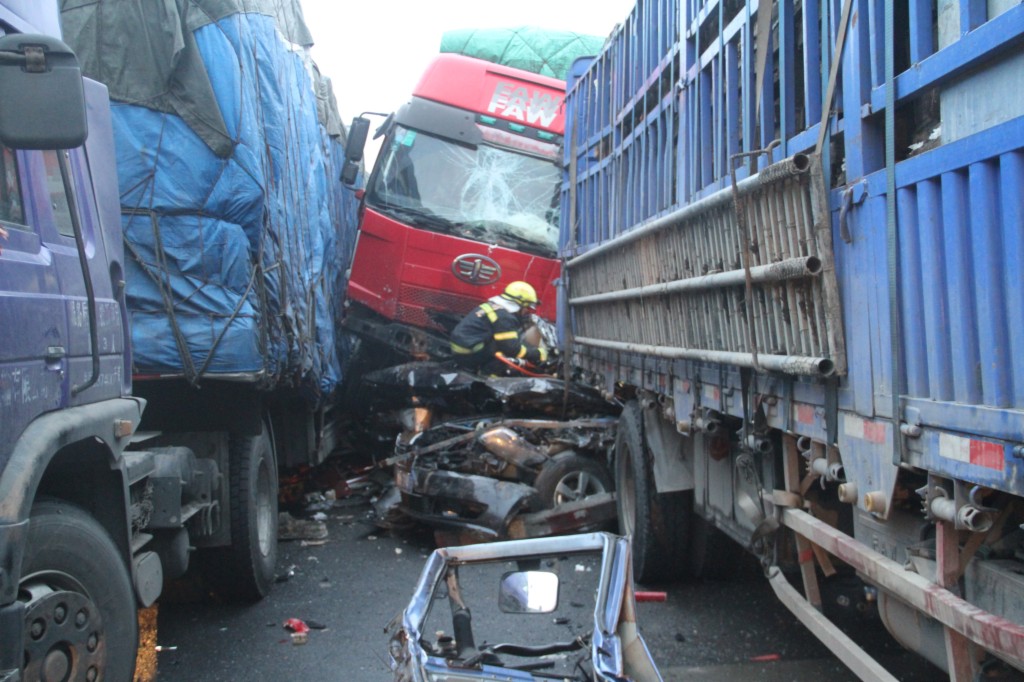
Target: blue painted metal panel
(45, 346)
(960, 211)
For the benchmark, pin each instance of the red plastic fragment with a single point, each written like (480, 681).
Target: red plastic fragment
(651, 596)
(296, 625)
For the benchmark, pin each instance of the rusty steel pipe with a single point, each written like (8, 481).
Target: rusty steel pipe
(838, 642)
(797, 164)
(995, 633)
(793, 268)
(790, 364)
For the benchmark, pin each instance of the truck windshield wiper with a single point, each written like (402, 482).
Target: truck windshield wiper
(420, 217)
(505, 235)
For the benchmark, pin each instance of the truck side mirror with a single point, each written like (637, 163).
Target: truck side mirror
(357, 133)
(42, 100)
(349, 173)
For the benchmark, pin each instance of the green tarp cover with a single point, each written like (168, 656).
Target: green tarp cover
(543, 51)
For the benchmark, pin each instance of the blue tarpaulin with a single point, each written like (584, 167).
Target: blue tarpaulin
(236, 256)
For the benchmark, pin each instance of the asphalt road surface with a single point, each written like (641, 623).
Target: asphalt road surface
(351, 586)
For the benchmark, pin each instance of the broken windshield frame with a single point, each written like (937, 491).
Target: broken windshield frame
(486, 193)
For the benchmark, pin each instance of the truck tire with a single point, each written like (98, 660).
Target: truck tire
(658, 524)
(80, 607)
(244, 571)
(567, 477)
(713, 555)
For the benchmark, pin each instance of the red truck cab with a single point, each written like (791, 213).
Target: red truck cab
(462, 200)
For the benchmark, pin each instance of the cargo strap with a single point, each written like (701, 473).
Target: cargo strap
(764, 31)
(893, 239)
(837, 57)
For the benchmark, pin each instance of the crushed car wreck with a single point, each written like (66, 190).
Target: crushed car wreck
(577, 590)
(510, 457)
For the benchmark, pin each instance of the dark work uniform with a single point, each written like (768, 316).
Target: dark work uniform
(488, 329)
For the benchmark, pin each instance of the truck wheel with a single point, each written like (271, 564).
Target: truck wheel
(713, 555)
(80, 618)
(244, 572)
(658, 524)
(568, 477)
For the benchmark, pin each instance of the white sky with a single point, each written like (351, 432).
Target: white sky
(374, 52)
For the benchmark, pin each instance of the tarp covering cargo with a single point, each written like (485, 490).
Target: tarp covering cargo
(549, 53)
(229, 150)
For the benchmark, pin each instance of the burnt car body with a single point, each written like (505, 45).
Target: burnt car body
(579, 624)
(476, 476)
(452, 392)
(504, 447)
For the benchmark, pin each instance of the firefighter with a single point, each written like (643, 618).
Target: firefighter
(493, 327)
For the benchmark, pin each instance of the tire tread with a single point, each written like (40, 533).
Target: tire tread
(662, 534)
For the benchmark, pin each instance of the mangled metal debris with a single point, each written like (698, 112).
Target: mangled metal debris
(581, 585)
(507, 454)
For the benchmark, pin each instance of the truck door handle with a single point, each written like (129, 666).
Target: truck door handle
(54, 354)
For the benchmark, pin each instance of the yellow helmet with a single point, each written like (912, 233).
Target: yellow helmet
(521, 293)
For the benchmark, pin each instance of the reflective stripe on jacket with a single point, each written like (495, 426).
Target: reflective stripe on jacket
(487, 330)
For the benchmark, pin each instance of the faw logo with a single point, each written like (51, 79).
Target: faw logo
(521, 103)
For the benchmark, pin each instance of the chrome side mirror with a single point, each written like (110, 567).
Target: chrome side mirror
(528, 592)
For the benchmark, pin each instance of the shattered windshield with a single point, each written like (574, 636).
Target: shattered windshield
(489, 194)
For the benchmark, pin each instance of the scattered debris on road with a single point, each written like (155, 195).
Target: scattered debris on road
(299, 630)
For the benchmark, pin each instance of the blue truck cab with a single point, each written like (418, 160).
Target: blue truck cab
(76, 539)
(169, 279)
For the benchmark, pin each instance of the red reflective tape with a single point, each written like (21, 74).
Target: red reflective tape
(874, 432)
(766, 658)
(988, 455)
(806, 556)
(651, 596)
(805, 414)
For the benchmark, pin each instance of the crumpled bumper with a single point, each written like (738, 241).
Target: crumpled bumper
(448, 499)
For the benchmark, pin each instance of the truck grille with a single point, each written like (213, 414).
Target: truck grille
(414, 303)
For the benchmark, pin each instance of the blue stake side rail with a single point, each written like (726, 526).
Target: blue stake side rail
(702, 268)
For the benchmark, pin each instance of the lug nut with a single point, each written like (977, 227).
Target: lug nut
(60, 613)
(37, 628)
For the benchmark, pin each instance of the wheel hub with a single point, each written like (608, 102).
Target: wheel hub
(63, 636)
(575, 486)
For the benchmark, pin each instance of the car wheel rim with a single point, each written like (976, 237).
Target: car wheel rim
(576, 486)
